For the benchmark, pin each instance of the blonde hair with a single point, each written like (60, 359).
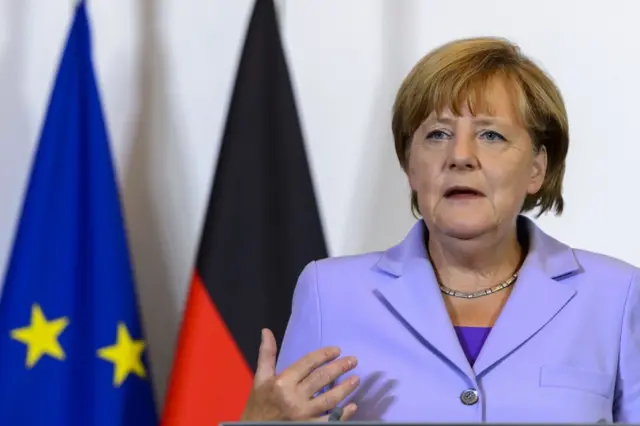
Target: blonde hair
(457, 74)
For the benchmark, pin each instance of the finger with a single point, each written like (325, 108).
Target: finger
(305, 365)
(347, 412)
(266, 367)
(327, 374)
(330, 399)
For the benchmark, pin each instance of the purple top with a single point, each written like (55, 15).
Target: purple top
(471, 340)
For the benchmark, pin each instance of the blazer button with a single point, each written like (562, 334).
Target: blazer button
(469, 396)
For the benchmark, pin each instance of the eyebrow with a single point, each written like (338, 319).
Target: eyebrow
(478, 121)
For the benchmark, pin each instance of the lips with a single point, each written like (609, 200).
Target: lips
(462, 192)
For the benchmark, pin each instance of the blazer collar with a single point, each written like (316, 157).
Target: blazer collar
(414, 298)
(554, 258)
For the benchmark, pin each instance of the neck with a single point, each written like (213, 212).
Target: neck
(470, 265)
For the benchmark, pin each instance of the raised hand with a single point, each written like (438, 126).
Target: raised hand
(289, 396)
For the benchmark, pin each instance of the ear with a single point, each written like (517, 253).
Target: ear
(538, 170)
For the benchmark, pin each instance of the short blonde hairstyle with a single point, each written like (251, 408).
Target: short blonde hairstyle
(457, 74)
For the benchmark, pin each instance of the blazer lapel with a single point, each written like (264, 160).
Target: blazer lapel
(537, 297)
(414, 299)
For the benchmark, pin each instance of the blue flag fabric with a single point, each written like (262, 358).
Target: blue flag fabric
(71, 344)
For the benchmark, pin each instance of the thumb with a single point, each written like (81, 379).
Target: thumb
(266, 357)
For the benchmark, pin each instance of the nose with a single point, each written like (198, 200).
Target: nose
(462, 154)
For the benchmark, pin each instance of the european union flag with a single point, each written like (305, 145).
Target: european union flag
(71, 346)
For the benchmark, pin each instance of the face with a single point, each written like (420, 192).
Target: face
(472, 173)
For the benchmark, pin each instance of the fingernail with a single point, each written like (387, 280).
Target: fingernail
(354, 380)
(352, 361)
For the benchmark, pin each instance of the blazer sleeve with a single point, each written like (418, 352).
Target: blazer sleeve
(303, 333)
(626, 408)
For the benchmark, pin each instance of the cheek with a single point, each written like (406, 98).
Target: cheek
(426, 170)
(419, 171)
(412, 169)
(413, 175)
(515, 181)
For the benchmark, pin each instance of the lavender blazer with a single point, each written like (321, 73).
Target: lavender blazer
(566, 347)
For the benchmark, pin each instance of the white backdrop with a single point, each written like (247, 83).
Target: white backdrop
(166, 69)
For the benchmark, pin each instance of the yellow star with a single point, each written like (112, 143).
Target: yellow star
(41, 336)
(125, 354)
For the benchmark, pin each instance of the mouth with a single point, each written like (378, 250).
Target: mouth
(462, 192)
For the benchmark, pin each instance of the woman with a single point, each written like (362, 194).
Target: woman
(477, 315)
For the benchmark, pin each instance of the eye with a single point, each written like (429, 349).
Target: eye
(492, 136)
(437, 135)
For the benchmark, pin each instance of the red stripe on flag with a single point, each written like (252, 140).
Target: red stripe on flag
(210, 380)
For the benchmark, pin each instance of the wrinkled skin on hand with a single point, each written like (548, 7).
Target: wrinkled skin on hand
(289, 396)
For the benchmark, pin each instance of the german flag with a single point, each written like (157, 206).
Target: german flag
(261, 228)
